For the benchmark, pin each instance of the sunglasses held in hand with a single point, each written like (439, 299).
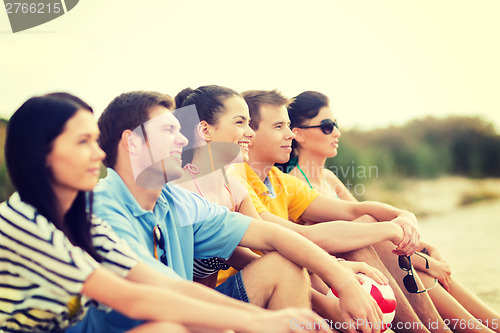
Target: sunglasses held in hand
(409, 280)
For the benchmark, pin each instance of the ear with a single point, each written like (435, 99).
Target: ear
(299, 134)
(205, 130)
(131, 142)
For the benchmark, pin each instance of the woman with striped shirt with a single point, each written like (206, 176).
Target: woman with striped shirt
(55, 256)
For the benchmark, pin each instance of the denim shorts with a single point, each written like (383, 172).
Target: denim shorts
(234, 288)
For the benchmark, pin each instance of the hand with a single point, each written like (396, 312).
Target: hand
(359, 308)
(411, 239)
(441, 271)
(288, 320)
(362, 267)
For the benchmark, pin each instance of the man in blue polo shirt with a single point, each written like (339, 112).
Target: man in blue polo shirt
(169, 226)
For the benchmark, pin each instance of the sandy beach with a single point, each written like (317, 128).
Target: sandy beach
(469, 238)
(468, 235)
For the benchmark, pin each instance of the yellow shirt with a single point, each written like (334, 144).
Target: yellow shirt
(288, 199)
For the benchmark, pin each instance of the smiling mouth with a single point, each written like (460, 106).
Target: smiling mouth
(177, 156)
(243, 144)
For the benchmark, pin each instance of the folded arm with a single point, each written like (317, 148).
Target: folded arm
(324, 209)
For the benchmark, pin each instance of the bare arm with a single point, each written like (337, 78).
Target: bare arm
(342, 236)
(141, 301)
(144, 274)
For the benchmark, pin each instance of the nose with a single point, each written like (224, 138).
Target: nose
(249, 132)
(181, 140)
(336, 132)
(98, 153)
(289, 135)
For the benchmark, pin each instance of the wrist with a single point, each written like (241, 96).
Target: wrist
(345, 287)
(395, 232)
(343, 277)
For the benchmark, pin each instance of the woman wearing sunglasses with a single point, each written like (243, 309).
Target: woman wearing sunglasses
(57, 259)
(316, 139)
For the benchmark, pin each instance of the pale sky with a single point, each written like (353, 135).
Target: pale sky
(381, 62)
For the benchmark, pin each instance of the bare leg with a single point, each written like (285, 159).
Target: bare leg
(404, 311)
(276, 283)
(475, 305)
(453, 307)
(421, 303)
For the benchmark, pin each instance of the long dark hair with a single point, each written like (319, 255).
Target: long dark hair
(209, 105)
(31, 132)
(304, 106)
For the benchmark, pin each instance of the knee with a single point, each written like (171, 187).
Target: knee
(281, 266)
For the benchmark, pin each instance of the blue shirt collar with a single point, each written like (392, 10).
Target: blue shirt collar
(113, 179)
(270, 188)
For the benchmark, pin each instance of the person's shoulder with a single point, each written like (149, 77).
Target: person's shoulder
(235, 181)
(17, 216)
(238, 190)
(329, 174)
(97, 222)
(331, 178)
(15, 208)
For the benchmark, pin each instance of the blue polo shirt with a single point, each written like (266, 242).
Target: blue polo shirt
(192, 227)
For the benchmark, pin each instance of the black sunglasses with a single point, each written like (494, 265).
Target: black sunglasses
(159, 240)
(409, 280)
(326, 126)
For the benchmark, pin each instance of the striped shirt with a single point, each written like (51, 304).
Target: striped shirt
(42, 273)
